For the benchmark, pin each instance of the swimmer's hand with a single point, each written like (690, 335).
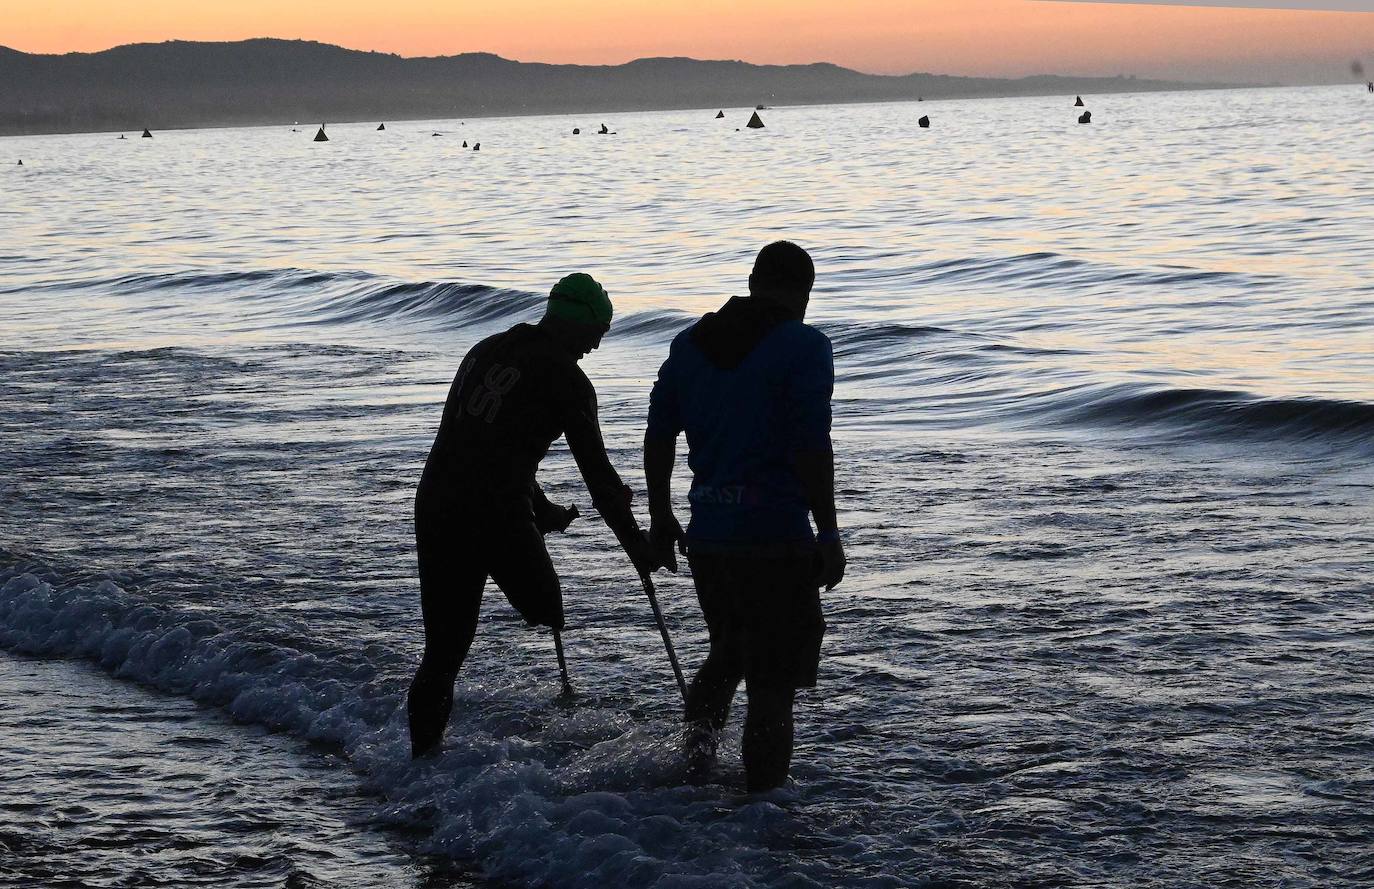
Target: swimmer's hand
(641, 553)
(553, 518)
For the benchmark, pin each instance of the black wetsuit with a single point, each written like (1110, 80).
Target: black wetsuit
(480, 513)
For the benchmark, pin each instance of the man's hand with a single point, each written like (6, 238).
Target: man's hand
(667, 539)
(832, 564)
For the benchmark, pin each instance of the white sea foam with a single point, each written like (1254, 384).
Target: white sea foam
(605, 813)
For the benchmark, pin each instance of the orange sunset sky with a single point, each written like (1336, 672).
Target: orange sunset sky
(992, 37)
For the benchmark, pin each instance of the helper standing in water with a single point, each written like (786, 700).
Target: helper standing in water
(480, 513)
(750, 384)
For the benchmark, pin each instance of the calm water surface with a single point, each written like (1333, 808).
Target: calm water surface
(1104, 418)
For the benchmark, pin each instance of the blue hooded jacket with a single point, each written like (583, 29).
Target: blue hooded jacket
(751, 388)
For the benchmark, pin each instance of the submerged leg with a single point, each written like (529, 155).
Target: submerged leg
(450, 598)
(713, 687)
(708, 706)
(767, 737)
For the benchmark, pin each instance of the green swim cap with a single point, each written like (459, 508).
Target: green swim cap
(579, 298)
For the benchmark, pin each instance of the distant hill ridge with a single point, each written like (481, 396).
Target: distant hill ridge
(269, 81)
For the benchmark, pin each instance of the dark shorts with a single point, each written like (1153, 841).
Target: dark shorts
(763, 607)
(457, 557)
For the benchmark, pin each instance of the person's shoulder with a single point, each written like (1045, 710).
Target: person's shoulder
(682, 340)
(803, 337)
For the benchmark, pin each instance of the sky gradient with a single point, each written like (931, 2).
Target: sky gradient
(987, 37)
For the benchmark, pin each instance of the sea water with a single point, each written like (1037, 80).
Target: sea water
(1104, 419)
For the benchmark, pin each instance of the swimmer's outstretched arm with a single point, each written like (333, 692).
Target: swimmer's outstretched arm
(609, 494)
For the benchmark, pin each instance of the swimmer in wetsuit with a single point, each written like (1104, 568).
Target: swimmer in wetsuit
(480, 513)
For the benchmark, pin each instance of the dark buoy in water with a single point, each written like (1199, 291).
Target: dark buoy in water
(146, 134)
(320, 136)
(465, 143)
(577, 131)
(755, 122)
(477, 146)
(720, 114)
(1085, 117)
(924, 122)
(920, 98)
(380, 127)
(1078, 103)
(603, 131)
(21, 163)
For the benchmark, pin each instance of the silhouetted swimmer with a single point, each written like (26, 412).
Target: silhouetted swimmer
(121, 135)
(380, 127)
(477, 146)
(436, 134)
(755, 122)
(479, 512)
(720, 114)
(759, 108)
(1370, 85)
(21, 163)
(603, 131)
(146, 134)
(924, 122)
(465, 143)
(1085, 117)
(1078, 103)
(320, 136)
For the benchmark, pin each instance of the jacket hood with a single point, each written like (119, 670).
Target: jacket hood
(726, 337)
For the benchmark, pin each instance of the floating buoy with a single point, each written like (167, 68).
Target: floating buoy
(755, 122)
(477, 146)
(380, 127)
(21, 162)
(603, 131)
(924, 122)
(1085, 117)
(920, 98)
(577, 131)
(720, 114)
(465, 143)
(146, 134)
(1078, 103)
(320, 136)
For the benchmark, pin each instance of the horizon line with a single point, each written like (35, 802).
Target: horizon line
(307, 40)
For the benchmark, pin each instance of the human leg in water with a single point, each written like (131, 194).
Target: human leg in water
(450, 599)
(708, 705)
(767, 737)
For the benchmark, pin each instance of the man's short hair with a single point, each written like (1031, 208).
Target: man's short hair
(783, 266)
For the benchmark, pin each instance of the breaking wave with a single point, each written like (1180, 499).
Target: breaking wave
(1215, 413)
(535, 795)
